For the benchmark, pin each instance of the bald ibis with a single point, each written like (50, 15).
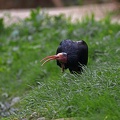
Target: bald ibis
(70, 54)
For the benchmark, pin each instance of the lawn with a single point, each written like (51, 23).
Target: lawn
(43, 90)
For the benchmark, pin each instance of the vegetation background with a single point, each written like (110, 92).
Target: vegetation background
(46, 92)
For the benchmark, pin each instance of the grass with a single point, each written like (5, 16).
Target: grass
(91, 94)
(47, 92)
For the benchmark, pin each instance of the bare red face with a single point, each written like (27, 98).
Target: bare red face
(61, 57)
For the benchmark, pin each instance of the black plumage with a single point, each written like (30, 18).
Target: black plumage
(77, 54)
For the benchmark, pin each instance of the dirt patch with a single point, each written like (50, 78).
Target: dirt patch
(76, 12)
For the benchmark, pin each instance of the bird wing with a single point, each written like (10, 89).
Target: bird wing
(82, 51)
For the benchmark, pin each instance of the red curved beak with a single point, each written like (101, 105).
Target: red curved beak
(48, 58)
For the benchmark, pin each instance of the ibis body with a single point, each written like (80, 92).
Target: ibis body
(71, 54)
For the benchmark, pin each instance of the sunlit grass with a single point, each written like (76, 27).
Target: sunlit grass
(95, 92)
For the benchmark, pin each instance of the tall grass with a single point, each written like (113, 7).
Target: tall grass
(94, 94)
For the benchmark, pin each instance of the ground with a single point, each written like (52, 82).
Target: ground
(76, 12)
(107, 34)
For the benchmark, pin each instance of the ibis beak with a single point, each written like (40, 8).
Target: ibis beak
(62, 57)
(48, 58)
